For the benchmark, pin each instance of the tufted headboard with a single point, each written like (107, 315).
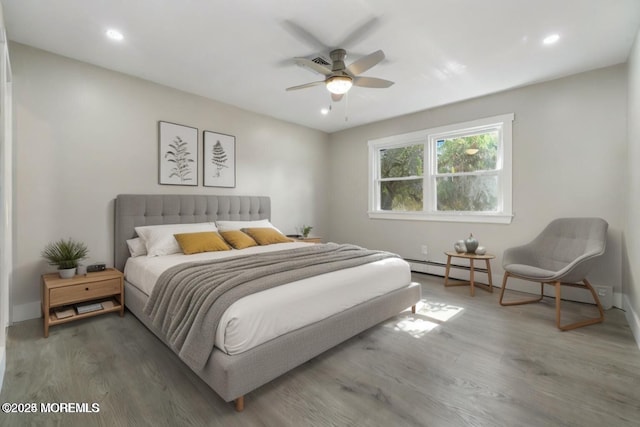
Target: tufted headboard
(134, 210)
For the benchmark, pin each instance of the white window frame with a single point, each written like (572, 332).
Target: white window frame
(428, 137)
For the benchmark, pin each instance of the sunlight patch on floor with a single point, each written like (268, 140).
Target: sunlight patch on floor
(429, 315)
(438, 311)
(415, 327)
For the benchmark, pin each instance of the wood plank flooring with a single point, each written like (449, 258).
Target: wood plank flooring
(459, 361)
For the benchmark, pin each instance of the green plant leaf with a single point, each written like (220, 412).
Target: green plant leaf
(65, 253)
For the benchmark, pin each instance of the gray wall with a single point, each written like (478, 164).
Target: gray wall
(631, 270)
(85, 134)
(569, 159)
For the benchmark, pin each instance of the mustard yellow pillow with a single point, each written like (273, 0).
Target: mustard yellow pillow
(266, 236)
(238, 239)
(205, 241)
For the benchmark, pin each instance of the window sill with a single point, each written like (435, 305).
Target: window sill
(443, 217)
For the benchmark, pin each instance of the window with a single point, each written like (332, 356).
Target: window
(460, 172)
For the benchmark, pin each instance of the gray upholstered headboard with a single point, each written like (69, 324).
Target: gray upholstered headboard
(134, 210)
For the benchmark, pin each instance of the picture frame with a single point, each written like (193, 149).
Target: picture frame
(219, 159)
(177, 154)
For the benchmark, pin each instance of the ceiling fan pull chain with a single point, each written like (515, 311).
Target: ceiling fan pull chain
(346, 107)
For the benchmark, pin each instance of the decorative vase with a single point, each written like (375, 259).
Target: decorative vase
(460, 247)
(471, 244)
(481, 250)
(67, 273)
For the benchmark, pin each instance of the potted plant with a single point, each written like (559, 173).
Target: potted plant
(65, 254)
(305, 230)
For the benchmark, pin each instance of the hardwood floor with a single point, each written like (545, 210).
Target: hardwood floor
(459, 361)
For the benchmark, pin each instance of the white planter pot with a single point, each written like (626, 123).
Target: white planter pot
(67, 273)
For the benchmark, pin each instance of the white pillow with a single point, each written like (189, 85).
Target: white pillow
(237, 225)
(159, 239)
(136, 247)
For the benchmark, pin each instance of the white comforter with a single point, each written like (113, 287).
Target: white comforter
(260, 317)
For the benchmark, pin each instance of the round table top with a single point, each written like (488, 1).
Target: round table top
(467, 255)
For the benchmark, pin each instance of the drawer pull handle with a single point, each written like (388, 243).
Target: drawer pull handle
(86, 289)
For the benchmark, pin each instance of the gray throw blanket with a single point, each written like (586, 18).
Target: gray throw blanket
(189, 299)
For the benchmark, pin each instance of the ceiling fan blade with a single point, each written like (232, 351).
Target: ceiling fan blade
(371, 82)
(304, 62)
(359, 33)
(306, 85)
(366, 62)
(300, 33)
(335, 97)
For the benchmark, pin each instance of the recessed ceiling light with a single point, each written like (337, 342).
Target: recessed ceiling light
(324, 111)
(551, 39)
(114, 34)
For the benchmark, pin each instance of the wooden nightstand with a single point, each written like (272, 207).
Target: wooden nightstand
(106, 287)
(308, 239)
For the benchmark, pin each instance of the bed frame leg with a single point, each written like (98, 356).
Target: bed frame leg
(239, 404)
(413, 309)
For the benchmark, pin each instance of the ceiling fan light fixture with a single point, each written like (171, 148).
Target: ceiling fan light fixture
(339, 84)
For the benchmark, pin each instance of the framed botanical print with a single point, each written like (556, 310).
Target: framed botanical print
(178, 154)
(219, 157)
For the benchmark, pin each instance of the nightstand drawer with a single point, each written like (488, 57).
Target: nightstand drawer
(83, 292)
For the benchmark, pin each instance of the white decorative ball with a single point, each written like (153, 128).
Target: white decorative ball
(481, 250)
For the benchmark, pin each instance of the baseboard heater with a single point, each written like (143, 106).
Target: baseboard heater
(420, 266)
(433, 268)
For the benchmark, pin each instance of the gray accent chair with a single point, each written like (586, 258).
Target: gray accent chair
(562, 254)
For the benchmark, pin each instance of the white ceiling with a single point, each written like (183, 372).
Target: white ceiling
(240, 52)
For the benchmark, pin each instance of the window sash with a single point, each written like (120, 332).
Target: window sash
(497, 194)
(482, 130)
(386, 149)
(401, 178)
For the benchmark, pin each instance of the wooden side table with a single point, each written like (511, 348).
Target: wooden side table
(471, 282)
(58, 295)
(308, 239)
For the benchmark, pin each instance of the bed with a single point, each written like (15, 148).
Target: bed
(238, 370)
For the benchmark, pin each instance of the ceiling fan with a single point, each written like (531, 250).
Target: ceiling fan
(340, 78)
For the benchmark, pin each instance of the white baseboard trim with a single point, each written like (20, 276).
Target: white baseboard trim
(3, 364)
(26, 311)
(632, 319)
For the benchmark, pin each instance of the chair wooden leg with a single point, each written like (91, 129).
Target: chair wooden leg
(518, 302)
(582, 323)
